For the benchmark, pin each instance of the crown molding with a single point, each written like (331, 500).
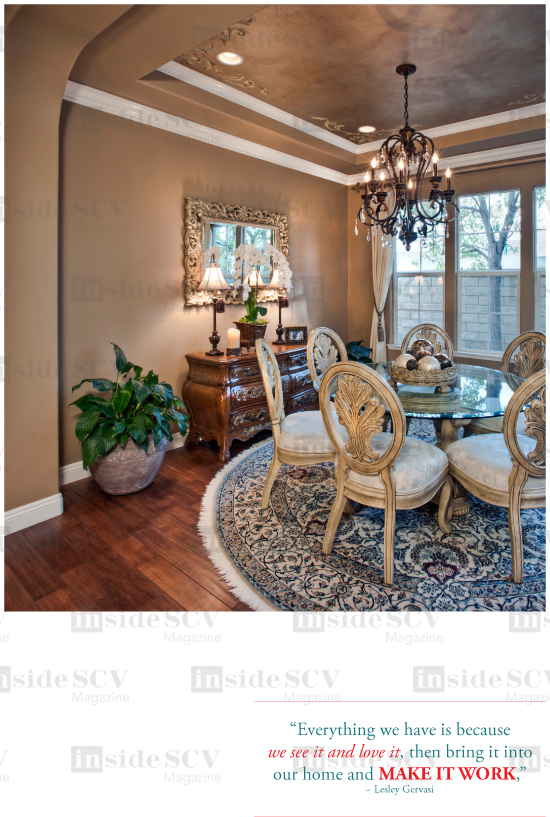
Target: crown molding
(481, 157)
(102, 101)
(214, 86)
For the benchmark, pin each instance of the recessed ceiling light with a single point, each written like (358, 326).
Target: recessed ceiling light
(229, 58)
(366, 129)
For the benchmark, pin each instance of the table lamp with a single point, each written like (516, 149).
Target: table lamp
(283, 303)
(214, 281)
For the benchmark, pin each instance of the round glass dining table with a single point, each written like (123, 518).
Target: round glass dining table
(477, 392)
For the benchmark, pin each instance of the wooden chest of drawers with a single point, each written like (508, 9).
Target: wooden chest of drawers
(226, 400)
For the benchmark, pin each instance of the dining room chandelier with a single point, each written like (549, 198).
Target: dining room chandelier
(395, 202)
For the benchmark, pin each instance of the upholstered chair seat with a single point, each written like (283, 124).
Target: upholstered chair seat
(305, 432)
(487, 460)
(493, 425)
(417, 467)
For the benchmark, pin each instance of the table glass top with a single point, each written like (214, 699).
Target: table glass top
(477, 392)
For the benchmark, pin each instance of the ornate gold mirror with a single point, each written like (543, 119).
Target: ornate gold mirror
(209, 224)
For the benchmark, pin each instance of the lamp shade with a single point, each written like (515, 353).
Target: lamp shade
(213, 279)
(255, 279)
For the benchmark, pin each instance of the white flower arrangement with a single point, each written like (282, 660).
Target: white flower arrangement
(248, 257)
(213, 254)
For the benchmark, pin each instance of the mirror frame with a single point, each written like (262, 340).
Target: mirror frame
(196, 213)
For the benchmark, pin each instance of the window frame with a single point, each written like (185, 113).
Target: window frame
(537, 273)
(483, 273)
(395, 292)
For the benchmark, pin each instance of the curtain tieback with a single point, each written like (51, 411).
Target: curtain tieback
(381, 336)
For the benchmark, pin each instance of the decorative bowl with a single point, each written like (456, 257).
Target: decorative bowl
(442, 378)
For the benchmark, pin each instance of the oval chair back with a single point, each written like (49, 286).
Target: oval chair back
(358, 407)
(323, 348)
(273, 384)
(523, 357)
(429, 331)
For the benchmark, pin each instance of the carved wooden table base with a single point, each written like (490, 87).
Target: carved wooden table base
(447, 432)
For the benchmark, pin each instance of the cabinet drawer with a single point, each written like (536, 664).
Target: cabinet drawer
(303, 402)
(300, 380)
(258, 415)
(253, 392)
(245, 371)
(297, 360)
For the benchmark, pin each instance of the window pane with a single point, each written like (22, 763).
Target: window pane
(224, 236)
(542, 303)
(489, 311)
(489, 231)
(540, 216)
(419, 300)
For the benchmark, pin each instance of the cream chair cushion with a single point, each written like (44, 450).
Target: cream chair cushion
(494, 424)
(418, 465)
(304, 433)
(487, 460)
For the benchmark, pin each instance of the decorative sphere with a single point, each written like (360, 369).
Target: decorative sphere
(412, 364)
(422, 353)
(421, 344)
(428, 364)
(402, 361)
(444, 361)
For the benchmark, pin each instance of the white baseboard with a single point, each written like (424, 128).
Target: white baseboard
(75, 471)
(33, 513)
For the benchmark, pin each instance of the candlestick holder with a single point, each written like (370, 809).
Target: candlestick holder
(283, 303)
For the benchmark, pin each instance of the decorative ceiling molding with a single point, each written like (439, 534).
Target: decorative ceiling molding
(213, 86)
(481, 157)
(134, 111)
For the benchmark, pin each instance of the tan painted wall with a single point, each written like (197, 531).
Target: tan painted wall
(122, 191)
(41, 46)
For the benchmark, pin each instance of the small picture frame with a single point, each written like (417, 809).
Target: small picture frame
(295, 335)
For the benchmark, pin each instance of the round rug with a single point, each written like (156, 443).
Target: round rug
(272, 560)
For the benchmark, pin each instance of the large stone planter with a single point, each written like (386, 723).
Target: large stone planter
(129, 469)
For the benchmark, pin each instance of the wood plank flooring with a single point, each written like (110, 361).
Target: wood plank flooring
(136, 552)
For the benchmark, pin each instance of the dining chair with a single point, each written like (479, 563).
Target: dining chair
(523, 357)
(508, 469)
(429, 331)
(381, 470)
(323, 348)
(298, 439)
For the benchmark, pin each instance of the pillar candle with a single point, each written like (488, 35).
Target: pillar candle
(233, 338)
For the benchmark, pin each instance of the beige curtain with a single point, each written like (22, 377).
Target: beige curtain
(382, 271)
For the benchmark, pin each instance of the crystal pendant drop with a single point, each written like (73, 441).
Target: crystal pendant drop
(356, 230)
(447, 232)
(368, 233)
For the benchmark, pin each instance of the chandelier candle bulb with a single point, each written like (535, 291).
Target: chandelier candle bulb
(435, 160)
(448, 175)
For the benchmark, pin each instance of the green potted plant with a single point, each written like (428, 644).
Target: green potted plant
(124, 438)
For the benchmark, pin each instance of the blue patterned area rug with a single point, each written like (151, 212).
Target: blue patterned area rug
(272, 560)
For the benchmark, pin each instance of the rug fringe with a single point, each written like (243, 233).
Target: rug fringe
(207, 530)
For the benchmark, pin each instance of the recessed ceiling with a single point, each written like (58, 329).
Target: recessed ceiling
(334, 65)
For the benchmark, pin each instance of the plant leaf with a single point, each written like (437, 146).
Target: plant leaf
(141, 390)
(101, 384)
(136, 429)
(86, 423)
(262, 310)
(121, 400)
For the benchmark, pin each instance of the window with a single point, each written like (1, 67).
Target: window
(418, 283)
(228, 237)
(540, 258)
(488, 270)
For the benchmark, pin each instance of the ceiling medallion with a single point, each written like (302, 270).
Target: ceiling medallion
(394, 202)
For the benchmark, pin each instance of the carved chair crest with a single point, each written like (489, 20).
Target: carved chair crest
(325, 353)
(535, 422)
(361, 414)
(530, 358)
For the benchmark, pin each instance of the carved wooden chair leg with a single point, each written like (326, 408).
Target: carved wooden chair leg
(349, 508)
(445, 513)
(333, 522)
(270, 479)
(518, 478)
(389, 525)
(407, 424)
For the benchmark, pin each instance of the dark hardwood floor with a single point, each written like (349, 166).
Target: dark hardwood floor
(136, 552)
